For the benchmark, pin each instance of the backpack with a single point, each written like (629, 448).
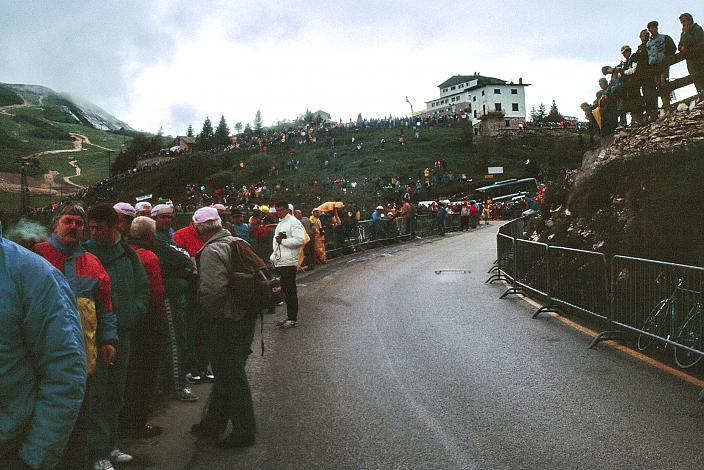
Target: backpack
(255, 282)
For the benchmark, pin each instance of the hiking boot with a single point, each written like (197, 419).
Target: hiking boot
(193, 379)
(185, 394)
(287, 324)
(103, 464)
(118, 456)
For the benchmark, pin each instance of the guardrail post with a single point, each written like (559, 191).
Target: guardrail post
(551, 307)
(514, 289)
(610, 333)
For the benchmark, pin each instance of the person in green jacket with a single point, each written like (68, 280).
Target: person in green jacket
(130, 298)
(42, 360)
(692, 44)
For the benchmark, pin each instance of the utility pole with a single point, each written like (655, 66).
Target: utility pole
(410, 104)
(24, 191)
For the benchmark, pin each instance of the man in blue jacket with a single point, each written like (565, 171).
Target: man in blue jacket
(42, 363)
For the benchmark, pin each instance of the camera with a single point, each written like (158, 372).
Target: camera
(282, 234)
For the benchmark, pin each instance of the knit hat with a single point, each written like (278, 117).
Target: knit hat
(125, 208)
(205, 214)
(162, 209)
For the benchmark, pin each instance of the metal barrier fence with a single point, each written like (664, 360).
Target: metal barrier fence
(657, 301)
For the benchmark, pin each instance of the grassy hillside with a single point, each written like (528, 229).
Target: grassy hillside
(370, 167)
(8, 97)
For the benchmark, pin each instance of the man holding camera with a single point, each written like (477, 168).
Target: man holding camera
(287, 244)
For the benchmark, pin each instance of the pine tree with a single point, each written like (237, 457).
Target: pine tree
(189, 132)
(533, 114)
(238, 127)
(247, 129)
(205, 138)
(222, 133)
(554, 115)
(540, 116)
(258, 121)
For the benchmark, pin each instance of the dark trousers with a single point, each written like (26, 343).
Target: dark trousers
(106, 399)
(75, 455)
(464, 222)
(288, 283)
(147, 344)
(230, 398)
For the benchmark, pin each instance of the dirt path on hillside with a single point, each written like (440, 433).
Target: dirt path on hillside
(67, 179)
(44, 186)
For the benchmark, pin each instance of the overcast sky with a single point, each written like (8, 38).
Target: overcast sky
(173, 62)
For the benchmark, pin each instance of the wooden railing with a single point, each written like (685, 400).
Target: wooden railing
(668, 87)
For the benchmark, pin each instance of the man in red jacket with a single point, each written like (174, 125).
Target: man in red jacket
(90, 284)
(148, 340)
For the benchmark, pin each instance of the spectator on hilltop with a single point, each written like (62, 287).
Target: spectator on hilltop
(630, 90)
(660, 48)
(692, 44)
(644, 75)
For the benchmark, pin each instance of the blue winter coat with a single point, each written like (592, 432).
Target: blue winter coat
(42, 359)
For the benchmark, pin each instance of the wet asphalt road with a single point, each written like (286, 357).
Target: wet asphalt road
(395, 366)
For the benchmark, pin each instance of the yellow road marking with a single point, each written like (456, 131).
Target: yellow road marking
(624, 349)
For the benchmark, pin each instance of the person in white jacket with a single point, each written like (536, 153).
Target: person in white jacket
(287, 245)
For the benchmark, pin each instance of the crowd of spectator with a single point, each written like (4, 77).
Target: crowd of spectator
(634, 85)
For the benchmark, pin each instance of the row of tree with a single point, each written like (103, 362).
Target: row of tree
(209, 138)
(541, 116)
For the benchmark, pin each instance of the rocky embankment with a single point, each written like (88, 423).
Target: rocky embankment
(638, 192)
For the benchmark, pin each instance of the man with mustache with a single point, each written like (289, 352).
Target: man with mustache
(90, 285)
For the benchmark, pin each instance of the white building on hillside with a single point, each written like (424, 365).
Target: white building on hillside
(480, 97)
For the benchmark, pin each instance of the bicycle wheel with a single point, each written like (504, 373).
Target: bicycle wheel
(690, 336)
(652, 325)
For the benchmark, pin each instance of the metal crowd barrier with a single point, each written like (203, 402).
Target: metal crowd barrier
(655, 300)
(659, 301)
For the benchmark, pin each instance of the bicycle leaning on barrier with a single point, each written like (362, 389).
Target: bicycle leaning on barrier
(684, 317)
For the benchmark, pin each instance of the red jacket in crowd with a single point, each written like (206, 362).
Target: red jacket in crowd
(187, 238)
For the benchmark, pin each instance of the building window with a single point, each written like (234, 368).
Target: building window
(508, 123)
(514, 106)
(497, 91)
(475, 113)
(452, 87)
(482, 92)
(497, 106)
(474, 98)
(483, 110)
(514, 91)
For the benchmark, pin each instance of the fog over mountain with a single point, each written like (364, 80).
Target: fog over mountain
(174, 62)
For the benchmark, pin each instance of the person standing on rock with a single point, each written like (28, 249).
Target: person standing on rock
(660, 48)
(645, 75)
(692, 44)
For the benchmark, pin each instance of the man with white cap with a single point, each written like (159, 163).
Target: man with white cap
(231, 331)
(125, 215)
(163, 214)
(287, 245)
(225, 223)
(143, 208)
